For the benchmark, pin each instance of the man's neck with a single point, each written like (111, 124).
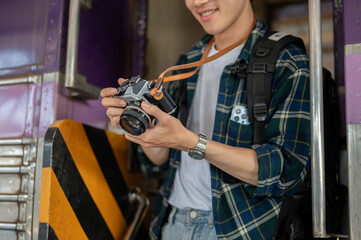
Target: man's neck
(236, 32)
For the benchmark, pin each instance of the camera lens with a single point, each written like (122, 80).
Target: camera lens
(134, 120)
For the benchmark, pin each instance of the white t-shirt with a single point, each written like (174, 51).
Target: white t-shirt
(192, 185)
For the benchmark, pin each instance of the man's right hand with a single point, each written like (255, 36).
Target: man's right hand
(114, 106)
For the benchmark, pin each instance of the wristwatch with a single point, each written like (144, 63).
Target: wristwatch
(198, 151)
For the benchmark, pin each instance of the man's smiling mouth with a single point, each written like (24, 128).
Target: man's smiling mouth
(207, 13)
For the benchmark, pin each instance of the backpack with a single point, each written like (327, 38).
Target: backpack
(295, 219)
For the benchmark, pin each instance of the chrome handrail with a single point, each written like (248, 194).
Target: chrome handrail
(74, 81)
(143, 205)
(317, 146)
(318, 174)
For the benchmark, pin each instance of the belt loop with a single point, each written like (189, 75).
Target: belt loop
(171, 215)
(210, 218)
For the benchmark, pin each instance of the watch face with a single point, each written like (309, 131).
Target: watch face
(196, 155)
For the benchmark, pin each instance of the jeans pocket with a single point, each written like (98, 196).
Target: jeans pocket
(173, 231)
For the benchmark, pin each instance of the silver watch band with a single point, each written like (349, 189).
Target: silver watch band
(198, 151)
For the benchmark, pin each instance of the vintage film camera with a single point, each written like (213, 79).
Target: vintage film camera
(134, 91)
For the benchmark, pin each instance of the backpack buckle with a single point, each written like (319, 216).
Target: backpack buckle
(259, 68)
(260, 111)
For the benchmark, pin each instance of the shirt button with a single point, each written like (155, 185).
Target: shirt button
(193, 214)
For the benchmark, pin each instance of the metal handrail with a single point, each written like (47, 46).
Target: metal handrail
(317, 146)
(17, 141)
(74, 81)
(19, 80)
(12, 226)
(143, 205)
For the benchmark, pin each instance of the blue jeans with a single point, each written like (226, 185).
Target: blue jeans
(189, 224)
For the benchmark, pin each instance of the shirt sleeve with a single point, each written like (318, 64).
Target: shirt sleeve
(284, 158)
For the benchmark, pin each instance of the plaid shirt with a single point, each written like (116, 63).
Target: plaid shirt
(242, 211)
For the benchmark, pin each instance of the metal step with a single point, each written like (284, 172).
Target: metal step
(17, 173)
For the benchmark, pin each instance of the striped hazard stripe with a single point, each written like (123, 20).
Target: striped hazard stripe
(85, 184)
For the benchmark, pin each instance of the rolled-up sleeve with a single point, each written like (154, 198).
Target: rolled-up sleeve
(284, 158)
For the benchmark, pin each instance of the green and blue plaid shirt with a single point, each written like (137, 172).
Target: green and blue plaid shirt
(242, 211)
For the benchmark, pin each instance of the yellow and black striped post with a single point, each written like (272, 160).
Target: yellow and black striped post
(85, 184)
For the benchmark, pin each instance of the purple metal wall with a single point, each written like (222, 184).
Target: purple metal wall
(352, 36)
(347, 23)
(107, 41)
(352, 21)
(348, 72)
(339, 60)
(33, 37)
(353, 88)
(22, 39)
(56, 36)
(22, 25)
(111, 39)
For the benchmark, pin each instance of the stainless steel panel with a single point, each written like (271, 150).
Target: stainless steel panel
(15, 151)
(352, 49)
(10, 183)
(6, 161)
(9, 212)
(33, 213)
(17, 173)
(354, 179)
(11, 155)
(8, 235)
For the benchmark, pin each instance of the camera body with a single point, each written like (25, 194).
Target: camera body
(134, 91)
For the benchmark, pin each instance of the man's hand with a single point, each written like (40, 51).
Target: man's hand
(157, 139)
(168, 132)
(114, 106)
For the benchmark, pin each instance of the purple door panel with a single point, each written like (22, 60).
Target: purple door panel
(352, 20)
(353, 89)
(109, 40)
(56, 36)
(57, 105)
(18, 110)
(22, 35)
(82, 110)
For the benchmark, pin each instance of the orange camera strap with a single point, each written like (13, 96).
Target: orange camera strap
(157, 94)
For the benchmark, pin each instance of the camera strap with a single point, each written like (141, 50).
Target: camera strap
(157, 94)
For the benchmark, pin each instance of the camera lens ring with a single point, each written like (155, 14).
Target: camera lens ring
(134, 120)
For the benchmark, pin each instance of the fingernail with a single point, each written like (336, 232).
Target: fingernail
(146, 105)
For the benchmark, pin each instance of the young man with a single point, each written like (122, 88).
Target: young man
(236, 190)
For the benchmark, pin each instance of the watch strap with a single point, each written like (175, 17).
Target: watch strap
(199, 150)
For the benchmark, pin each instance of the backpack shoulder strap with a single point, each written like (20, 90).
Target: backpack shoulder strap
(261, 67)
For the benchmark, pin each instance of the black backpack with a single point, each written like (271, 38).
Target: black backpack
(295, 219)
